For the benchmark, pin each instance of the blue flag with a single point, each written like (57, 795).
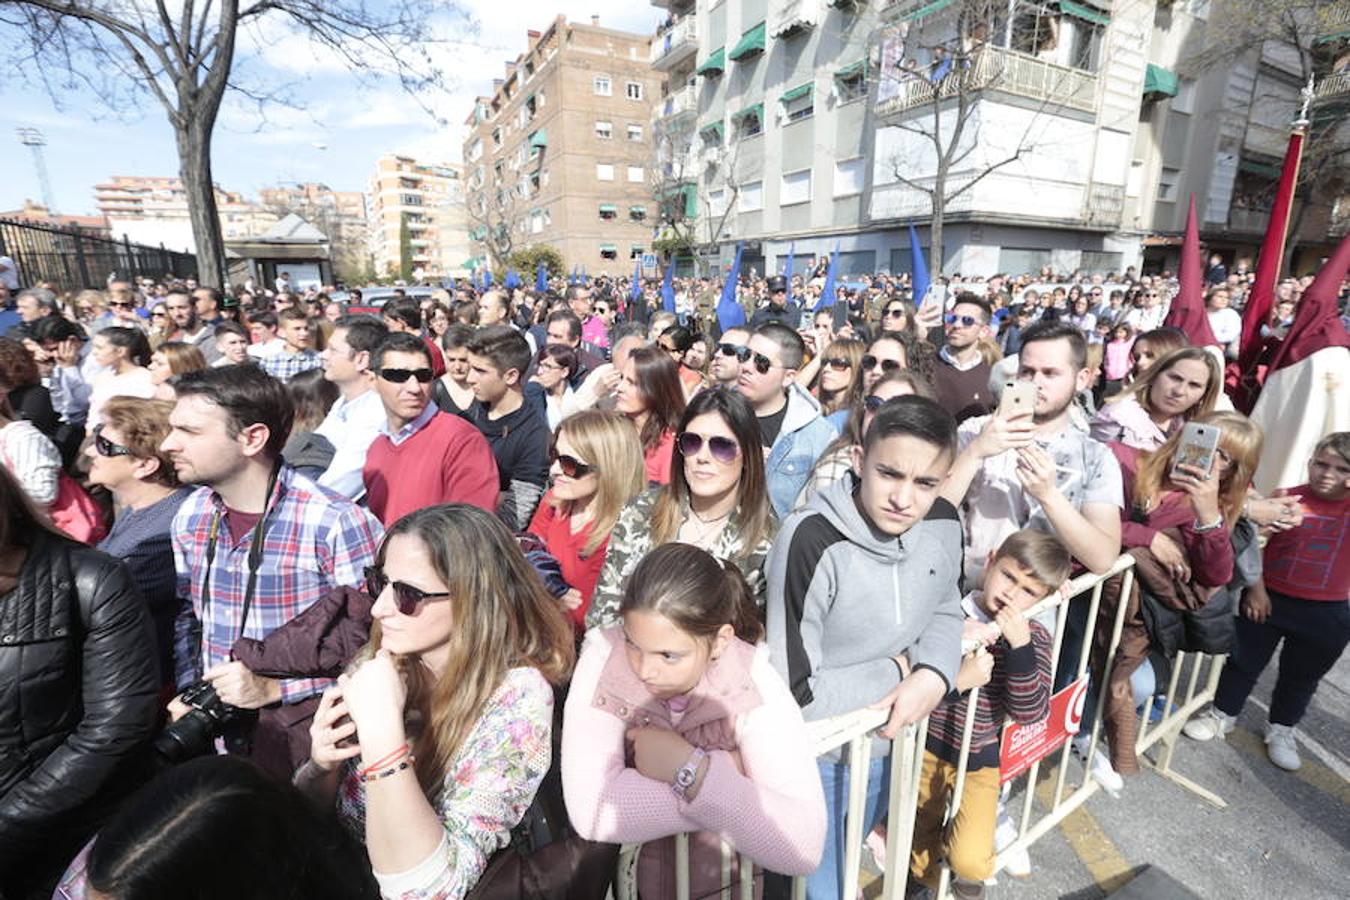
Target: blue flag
(541, 278)
(787, 270)
(730, 313)
(918, 279)
(487, 278)
(668, 288)
(635, 290)
(828, 294)
(573, 278)
(512, 280)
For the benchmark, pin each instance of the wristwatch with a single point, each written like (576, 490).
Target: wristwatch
(688, 773)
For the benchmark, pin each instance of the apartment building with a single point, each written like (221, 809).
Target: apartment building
(339, 215)
(136, 198)
(39, 214)
(770, 129)
(560, 154)
(430, 198)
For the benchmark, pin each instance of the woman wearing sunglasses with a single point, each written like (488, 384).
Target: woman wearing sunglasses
(651, 395)
(717, 499)
(435, 742)
(897, 317)
(595, 471)
(836, 378)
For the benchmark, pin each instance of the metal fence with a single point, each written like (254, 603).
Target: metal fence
(72, 259)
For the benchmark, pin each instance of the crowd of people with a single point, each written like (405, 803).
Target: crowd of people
(441, 569)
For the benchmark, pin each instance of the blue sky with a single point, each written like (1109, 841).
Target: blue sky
(335, 136)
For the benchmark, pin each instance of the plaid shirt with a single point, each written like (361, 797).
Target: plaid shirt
(315, 540)
(284, 366)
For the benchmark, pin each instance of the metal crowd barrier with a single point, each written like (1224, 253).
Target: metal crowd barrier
(855, 731)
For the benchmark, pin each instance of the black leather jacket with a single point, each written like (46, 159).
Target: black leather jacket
(78, 702)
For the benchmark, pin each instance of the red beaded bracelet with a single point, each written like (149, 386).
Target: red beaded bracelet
(405, 763)
(386, 760)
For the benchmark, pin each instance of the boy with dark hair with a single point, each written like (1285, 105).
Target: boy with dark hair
(297, 352)
(961, 377)
(517, 432)
(1011, 666)
(402, 313)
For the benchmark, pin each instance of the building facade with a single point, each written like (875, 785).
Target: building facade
(427, 197)
(38, 214)
(560, 154)
(152, 210)
(339, 215)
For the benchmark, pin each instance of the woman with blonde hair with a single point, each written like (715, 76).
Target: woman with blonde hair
(170, 359)
(1177, 388)
(836, 380)
(435, 742)
(595, 469)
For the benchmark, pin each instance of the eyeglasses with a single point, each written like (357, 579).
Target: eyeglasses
(895, 313)
(838, 363)
(966, 321)
(105, 447)
(399, 376)
(722, 449)
(157, 314)
(870, 362)
(121, 304)
(570, 465)
(406, 597)
(762, 363)
(872, 402)
(740, 351)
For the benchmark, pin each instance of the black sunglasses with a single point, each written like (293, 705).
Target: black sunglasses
(570, 465)
(966, 321)
(838, 363)
(399, 376)
(406, 597)
(762, 363)
(722, 449)
(894, 313)
(105, 447)
(870, 362)
(872, 402)
(740, 351)
(121, 304)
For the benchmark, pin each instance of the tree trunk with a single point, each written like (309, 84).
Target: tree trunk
(194, 156)
(939, 203)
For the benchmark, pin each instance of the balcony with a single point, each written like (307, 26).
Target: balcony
(675, 44)
(999, 69)
(1334, 88)
(1244, 220)
(678, 109)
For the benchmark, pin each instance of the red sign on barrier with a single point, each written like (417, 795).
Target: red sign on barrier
(1023, 745)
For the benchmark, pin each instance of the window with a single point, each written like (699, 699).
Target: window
(634, 90)
(637, 213)
(634, 132)
(1015, 259)
(796, 188)
(604, 172)
(609, 251)
(496, 137)
(851, 82)
(603, 86)
(1167, 183)
(751, 197)
(410, 200)
(750, 122)
(799, 103)
(849, 175)
(1184, 101)
(536, 223)
(717, 202)
(635, 251)
(604, 130)
(635, 174)
(608, 211)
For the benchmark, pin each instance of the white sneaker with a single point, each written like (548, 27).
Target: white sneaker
(1280, 747)
(1098, 765)
(1209, 724)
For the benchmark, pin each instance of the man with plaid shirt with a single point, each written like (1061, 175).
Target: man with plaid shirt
(297, 353)
(226, 434)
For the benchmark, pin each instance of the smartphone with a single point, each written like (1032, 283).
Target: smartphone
(1018, 399)
(1198, 445)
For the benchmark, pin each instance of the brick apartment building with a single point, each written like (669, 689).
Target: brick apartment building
(430, 197)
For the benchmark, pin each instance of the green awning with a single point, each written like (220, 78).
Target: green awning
(927, 10)
(608, 247)
(639, 208)
(751, 42)
(715, 63)
(848, 73)
(1256, 167)
(712, 128)
(608, 208)
(757, 111)
(801, 90)
(1086, 13)
(539, 139)
(1158, 80)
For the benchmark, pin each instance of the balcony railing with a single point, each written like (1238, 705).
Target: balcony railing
(1333, 87)
(679, 105)
(1249, 221)
(999, 69)
(676, 44)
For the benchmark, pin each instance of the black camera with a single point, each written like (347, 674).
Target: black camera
(210, 717)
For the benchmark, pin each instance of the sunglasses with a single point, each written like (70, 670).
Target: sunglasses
(406, 597)
(966, 321)
(870, 362)
(121, 304)
(399, 376)
(762, 363)
(740, 351)
(157, 314)
(838, 363)
(570, 465)
(893, 313)
(722, 449)
(872, 403)
(105, 447)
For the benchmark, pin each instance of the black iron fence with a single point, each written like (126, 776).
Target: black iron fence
(72, 259)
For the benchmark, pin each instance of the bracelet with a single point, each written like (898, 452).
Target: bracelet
(407, 762)
(388, 759)
(1201, 529)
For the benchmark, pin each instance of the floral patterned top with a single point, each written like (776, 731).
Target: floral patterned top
(631, 540)
(491, 782)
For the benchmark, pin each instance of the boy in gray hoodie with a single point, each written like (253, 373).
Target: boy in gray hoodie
(862, 589)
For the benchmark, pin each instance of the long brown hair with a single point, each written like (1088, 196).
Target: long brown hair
(1143, 386)
(1239, 437)
(657, 377)
(503, 619)
(695, 591)
(607, 441)
(839, 348)
(753, 517)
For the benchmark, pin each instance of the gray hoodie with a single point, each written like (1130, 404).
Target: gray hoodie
(844, 600)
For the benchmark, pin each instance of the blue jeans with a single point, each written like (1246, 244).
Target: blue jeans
(827, 882)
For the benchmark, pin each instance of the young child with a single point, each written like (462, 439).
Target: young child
(1116, 368)
(1012, 669)
(677, 722)
(1300, 599)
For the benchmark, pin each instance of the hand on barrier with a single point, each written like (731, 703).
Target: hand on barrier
(913, 699)
(976, 670)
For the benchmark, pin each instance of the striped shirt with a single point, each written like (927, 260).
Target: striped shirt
(315, 540)
(32, 459)
(285, 365)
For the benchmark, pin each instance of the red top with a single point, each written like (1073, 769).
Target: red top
(447, 461)
(1312, 562)
(657, 459)
(437, 357)
(1209, 553)
(580, 572)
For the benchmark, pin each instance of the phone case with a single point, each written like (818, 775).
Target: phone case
(1198, 445)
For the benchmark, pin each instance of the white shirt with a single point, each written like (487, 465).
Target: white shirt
(32, 459)
(351, 426)
(266, 350)
(1226, 325)
(9, 273)
(407, 431)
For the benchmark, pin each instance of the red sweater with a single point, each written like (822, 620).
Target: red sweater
(448, 461)
(1312, 562)
(580, 572)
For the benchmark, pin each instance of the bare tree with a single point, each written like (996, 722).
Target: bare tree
(680, 159)
(184, 55)
(497, 217)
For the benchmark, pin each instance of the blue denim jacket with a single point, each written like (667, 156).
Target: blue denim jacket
(804, 436)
